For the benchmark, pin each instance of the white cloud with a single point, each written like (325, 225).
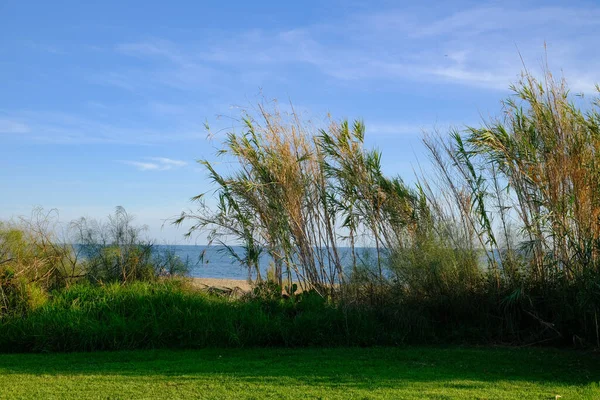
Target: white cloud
(11, 126)
(486, 19)
(156, 164)
(66, 128)
(168, 162)
(475, 77)
(477, 47)
(142, 166)
(157, 48)
(43, 47)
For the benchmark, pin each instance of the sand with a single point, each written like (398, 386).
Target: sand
(221, 283)
(236, 285)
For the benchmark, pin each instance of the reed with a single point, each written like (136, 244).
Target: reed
(525, 189)
(299, 193)
(500, 245)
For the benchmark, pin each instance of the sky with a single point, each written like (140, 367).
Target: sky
(105, 103)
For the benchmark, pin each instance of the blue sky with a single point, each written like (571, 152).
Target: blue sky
(104, 103)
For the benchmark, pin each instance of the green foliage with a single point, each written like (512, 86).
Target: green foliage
(501, 245)
(167, 314)
(18, 296)
(522, 190)
(88, 317)
(114, 250)
(294, 188)
(32, 262)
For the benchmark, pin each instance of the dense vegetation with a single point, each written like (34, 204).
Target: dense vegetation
(169, 314)
(500, 245)
(342, 373)
(504, 237)
(36, 259)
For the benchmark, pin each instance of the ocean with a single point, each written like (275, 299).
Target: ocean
(218, 263)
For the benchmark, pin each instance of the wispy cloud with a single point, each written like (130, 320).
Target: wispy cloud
(484, 19)
(156, 164)
(168, 65)
(169, 163)
(142, 166)
(155, 48)
(43, 47)
(476, 47)
(12, 126)
(67, 128)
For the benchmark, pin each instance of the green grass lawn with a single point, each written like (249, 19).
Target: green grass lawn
(340, 373)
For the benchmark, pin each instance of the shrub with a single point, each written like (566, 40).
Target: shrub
(32, 262)
(116, 251)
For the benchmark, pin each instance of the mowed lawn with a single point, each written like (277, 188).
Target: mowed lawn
(339, 373)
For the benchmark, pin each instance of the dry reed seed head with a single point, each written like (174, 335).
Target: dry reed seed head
(549, 158)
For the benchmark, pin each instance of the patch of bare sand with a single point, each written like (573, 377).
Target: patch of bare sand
(223, 283)
(204, 283)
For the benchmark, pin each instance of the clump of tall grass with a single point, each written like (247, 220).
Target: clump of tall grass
(501, 244)
(506, 232)
(299, 193)
(366, 202)
(524, 189)
(275, 202)
(88, 317)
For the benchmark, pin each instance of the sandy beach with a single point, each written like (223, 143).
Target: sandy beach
(221, 283)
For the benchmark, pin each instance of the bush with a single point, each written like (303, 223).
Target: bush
(18, 296)
(32, 262)
(116, 251)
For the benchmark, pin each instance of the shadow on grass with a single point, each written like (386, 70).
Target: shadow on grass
(345, 367)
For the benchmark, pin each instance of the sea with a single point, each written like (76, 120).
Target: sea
(217, 262)
(212, 261)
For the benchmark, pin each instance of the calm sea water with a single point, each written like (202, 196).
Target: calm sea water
(218, 263)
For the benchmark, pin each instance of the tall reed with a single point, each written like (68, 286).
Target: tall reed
(299, 193)
(526, 189)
